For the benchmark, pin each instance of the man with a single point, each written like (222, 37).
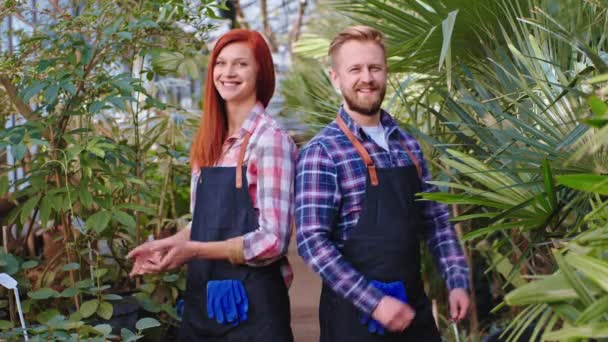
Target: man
(358, 220)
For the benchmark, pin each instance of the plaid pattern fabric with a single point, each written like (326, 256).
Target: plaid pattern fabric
(270, 160)
(330, 188)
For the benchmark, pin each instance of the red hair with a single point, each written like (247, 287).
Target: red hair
(207, 145)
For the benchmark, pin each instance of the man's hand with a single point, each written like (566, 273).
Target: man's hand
(459, 304)
(393, 314)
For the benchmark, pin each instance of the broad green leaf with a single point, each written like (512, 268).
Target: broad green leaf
(111, 296)
(585, 182)
(100, 272)
(105, 310)
(170, 310)
(69, 292)
(29, 264)
(127, 335)
(28, 208)
(50, 94)
(148, 287)
(598, 106)
(43, 293)
(117, 102)
(32, 91)
(9, 263)
(89, 307)
(45, 210)
(136, 207)
(97, 151)
(5, 325)
(104, 329)
(170, 278)
(146, 302)
(99, 221)
(96, 106)
(69, 87)
(85, 196)
(99, 288)
(124, 218)
(146, 323)
(85, 283)
(18, 151)
(48, 315)
(71, 266)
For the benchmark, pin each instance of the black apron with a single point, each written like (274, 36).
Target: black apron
(384, 245)
(223, 210)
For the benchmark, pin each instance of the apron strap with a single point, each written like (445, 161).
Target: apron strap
(239, 163)
(414, 160)
(371, 168)
(365, 156)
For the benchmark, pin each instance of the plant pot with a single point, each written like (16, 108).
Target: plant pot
(124, 315)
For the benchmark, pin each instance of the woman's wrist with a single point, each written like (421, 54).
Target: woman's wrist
(236, 254)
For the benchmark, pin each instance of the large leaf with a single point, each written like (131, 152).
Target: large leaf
(594, 269)
(592, 330)
(585, 182)
(551, 289)
(146, 323)
(89, 307)
(105, 310)
(99, 221)
(28, 208)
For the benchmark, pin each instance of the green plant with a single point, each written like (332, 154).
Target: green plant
(88, 82)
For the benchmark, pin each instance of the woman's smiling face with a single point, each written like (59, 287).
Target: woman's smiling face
(235, 72)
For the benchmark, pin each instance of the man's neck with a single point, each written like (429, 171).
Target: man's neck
(362, 119)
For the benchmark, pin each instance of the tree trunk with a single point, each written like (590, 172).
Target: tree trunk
(294, 35)
(266, 26)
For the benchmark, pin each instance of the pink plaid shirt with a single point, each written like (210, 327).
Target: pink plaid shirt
(270, 160)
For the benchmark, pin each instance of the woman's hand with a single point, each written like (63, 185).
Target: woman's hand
(145, 263)
(149, 255)
(161, 255)
(177, 254)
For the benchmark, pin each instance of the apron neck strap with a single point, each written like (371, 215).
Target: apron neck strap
(371, 168)
(413, 158)
(239, 162)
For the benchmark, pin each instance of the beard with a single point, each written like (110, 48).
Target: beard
(367, 107)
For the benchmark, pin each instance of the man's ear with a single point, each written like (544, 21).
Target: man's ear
(333, 76)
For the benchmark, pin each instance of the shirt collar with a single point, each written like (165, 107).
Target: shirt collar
(251, 123)
(388, 123)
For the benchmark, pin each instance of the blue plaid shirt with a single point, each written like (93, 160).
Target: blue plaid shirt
(330, 186)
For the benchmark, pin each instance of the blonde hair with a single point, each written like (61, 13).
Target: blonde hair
(359, 33)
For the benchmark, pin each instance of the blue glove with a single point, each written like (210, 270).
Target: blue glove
(179, 308)
(394, 289)
(227, 301)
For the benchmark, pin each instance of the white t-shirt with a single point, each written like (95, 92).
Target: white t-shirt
(377, 135)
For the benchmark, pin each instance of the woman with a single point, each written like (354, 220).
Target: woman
(242, 203)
